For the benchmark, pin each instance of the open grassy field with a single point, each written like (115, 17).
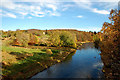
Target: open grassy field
(20, 62)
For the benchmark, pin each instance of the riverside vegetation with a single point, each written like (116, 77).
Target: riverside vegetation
(27, 52)
(109, 42)
(110, 46)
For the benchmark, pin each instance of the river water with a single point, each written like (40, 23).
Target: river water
(85, 63)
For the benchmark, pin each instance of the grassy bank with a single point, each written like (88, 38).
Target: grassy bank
(18, 62)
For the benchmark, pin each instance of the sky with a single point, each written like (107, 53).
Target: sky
(84, 15)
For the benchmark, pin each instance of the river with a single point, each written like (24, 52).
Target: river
(85, 63)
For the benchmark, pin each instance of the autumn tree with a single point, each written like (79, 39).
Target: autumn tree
(68, 39)
(63, 38)
(22, 38)
(9, 33)
(33, 39)
(55, 39)
(111, 31)
(110, 45)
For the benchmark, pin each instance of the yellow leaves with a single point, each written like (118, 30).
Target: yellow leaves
(51, 58)
(72, 50)
(48, 51)
(46, 66)
(38, 62)
(111, 29)
(58, 61)
(103, 70)
(37, 39)
(103, 28)
(33, 39)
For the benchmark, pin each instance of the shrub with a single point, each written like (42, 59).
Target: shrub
(48, 51)
(67, 39)
(8, 42)
(22, 38)
(55, 39)
(33, 39)
(63, 38)
(96, 38)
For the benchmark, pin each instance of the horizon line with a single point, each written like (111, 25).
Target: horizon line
(52, 29)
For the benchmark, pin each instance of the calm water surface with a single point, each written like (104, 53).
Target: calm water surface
(85, 63)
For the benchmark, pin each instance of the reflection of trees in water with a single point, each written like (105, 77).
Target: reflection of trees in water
(110, 57)
(86, 46)
(69, 57)
(96, 44)
(111, 64)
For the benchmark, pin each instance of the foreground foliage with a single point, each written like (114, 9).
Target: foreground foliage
(110, 45)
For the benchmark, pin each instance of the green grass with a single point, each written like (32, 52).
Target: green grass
(25, 65)
(20, 50)
(24, 62)
(44, 36)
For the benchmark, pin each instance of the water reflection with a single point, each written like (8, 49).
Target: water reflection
(111, 59)
(69, 57)
(111, 66)
(85, 63)
(87, 46)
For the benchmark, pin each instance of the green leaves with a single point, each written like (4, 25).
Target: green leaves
(64, 38)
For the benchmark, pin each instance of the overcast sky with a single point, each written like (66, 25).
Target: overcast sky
(86, 15)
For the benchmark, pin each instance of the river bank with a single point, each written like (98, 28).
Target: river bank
(28, 61)
(17, 61)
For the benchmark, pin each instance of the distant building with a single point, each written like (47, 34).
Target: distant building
(43, 32)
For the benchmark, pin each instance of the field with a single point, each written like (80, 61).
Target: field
(20, 62)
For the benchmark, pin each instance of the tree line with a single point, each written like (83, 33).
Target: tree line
(63, 38)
